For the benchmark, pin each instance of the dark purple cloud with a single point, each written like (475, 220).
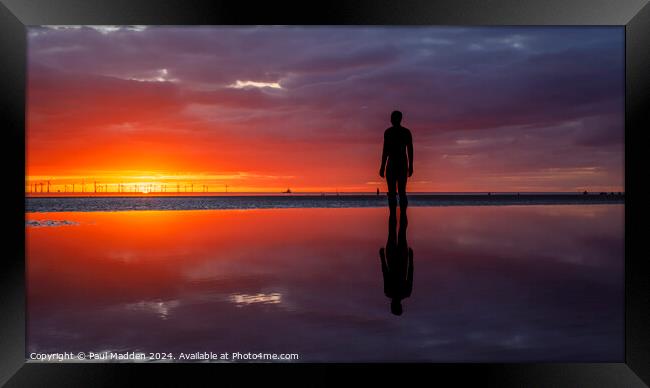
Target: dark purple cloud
(478, 100)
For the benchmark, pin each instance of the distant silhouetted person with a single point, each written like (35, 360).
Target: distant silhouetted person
(397, 263)
(397, 160)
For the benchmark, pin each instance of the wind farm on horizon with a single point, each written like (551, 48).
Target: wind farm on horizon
(45, 188)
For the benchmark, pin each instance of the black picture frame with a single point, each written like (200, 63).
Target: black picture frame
(15, 15)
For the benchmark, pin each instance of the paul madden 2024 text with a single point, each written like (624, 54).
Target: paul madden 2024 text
(140, 356)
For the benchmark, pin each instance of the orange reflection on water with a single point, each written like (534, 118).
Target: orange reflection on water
(492, 283)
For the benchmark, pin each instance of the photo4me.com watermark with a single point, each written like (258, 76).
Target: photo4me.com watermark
(108, 356)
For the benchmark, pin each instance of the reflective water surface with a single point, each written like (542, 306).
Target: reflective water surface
(506, 283)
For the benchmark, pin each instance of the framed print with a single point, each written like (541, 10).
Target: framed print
(370, 188)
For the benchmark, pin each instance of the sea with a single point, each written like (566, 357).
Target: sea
(78, 203)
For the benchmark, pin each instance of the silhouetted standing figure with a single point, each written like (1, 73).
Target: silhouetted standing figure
(397, 160)
(397, 264)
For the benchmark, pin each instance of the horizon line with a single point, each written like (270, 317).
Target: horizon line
(201, 194)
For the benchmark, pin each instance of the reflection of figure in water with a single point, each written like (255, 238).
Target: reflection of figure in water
(397, 160)
(397, 263)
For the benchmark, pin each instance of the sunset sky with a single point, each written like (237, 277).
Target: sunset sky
(271, 108)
